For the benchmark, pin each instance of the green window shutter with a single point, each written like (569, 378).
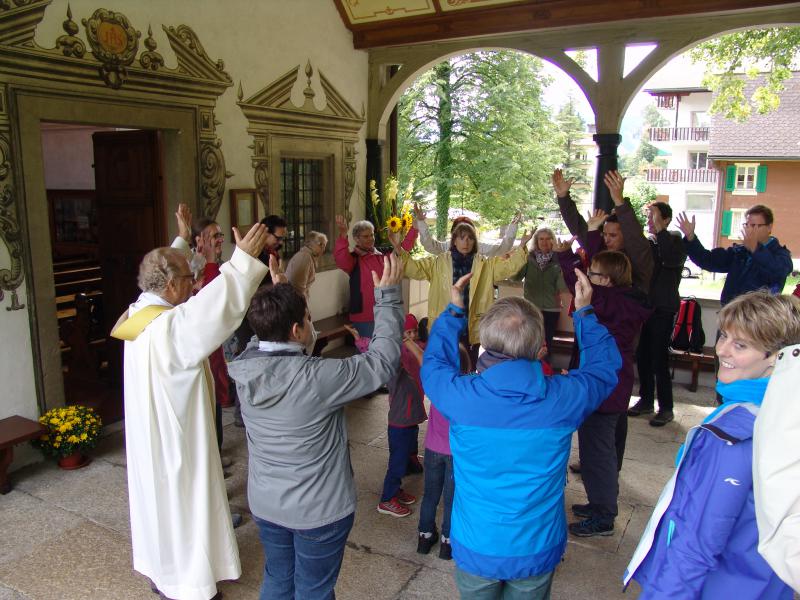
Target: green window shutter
(730, 178)
(761, 178)
(727, 219)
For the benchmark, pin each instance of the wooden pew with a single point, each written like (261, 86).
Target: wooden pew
(15, 430)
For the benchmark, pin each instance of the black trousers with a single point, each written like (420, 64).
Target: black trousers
(652, 360)
(598, 453)
(550, 324)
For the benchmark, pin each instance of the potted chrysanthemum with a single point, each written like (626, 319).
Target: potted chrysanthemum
(72, 431)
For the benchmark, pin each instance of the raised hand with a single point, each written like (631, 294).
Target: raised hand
(275, 271)
(686, 226)
(561, 185)
(517, 218)
(341, 224)
(749, 237)
(205, 246)
(615, 183)
(457, 290)
(254, 241)
(184, 217)
(395, 240)
(419, 212)
(526, 237)
(583, 290)
(392, 272)
(596, 219)
(563, 245)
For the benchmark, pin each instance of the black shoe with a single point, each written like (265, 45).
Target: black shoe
(582, 510)
(640, 408)
(662, 418)
(424, 544)
(445, 551)
(575, 467)
(591, 527)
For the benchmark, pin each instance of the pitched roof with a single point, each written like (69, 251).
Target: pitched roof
(774, 135)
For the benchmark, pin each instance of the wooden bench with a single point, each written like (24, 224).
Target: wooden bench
(15, 430)
(695, 361)
(329, 329)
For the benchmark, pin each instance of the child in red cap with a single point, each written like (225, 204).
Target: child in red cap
(406, 412)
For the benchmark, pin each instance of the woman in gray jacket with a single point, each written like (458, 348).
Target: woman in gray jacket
(300, 484)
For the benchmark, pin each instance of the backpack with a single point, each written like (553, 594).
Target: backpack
(687, 333)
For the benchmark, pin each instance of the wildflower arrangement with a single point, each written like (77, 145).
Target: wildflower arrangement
(72, 429)
(394, 212)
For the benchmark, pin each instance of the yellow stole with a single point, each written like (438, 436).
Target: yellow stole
(128, 329)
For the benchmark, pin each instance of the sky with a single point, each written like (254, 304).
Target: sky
(679, 71)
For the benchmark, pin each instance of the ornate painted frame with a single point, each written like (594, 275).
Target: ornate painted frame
(279, 128)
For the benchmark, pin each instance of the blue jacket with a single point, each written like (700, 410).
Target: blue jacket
(702, 539)
(510, 434)
(767, 267)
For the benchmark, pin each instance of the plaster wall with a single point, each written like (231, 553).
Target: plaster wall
(68, 155)
(258, 42)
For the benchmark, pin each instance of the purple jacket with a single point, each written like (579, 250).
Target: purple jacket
(703, 543)
(622, 311)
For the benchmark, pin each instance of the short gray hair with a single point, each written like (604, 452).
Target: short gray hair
(316, 237)
(158, 267)
(514, 327)
(360, 226)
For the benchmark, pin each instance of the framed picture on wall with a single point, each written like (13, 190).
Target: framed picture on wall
(244, 209)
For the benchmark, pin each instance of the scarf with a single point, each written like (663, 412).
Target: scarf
(490, 358)
(461, 266)
(736, 392)
(543, 259)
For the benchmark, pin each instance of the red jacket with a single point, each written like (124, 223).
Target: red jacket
(219, 368)
(367, 263)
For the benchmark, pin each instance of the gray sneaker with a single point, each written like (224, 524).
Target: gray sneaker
(662, 418)
(640, 408)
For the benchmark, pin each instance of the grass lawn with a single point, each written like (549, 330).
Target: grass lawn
(706, 287)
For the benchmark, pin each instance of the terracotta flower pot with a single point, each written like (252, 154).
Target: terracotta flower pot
(76, 460)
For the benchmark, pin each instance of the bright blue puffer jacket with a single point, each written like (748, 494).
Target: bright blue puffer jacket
(510, 433)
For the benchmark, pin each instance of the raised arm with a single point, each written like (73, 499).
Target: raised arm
(504, 245)
(341, 248)
(569, 212)
(428, 242)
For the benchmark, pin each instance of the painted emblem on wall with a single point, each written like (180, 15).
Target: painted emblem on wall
(114, 42)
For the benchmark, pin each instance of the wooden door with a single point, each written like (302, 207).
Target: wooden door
(131, 218)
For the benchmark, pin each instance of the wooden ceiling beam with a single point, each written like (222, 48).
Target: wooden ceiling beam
(536, 15)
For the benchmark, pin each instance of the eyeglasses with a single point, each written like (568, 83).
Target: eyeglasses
(754, 225)
(591, 273)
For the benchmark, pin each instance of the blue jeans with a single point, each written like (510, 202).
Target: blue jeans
(302, 563)
(474, 587)
(402, 443)
(438, 482)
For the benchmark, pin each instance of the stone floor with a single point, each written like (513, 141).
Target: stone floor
(64, 535)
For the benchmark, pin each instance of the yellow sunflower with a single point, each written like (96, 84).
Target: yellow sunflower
(408, 220)
(394, 224)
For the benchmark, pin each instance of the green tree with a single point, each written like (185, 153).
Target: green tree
(753, 52)
(475, 131)
(646, 155)
(570, 130)
(640, 194)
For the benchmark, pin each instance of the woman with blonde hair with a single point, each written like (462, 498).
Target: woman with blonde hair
(702, 539)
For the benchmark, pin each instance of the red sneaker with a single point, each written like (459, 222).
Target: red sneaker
(404, 498)
(393, 508)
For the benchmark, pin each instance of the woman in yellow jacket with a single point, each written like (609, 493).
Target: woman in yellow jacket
(446, 268)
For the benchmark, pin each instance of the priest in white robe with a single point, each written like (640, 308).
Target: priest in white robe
(181, 527)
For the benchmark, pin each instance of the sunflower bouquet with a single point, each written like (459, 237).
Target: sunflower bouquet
(393, 211)
(71, 429)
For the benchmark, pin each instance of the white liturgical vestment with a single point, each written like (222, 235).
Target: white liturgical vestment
(181, 528)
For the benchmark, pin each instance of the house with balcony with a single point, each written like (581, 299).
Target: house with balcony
(759, 163)
(688, 182)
